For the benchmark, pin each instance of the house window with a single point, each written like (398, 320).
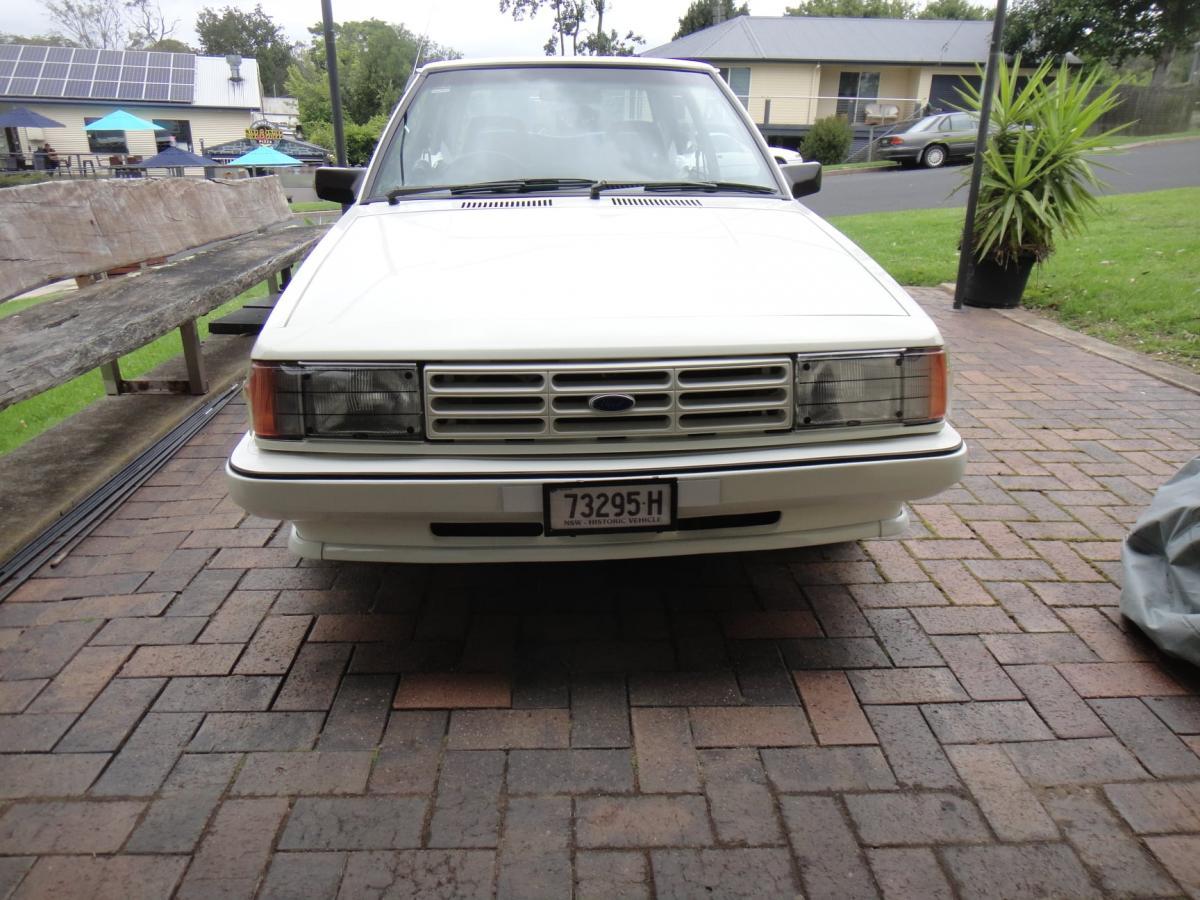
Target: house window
(111, 142)
(738, 79)
(179, 129)
(856, 91)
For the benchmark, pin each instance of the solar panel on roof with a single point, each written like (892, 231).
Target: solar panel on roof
(83, 72)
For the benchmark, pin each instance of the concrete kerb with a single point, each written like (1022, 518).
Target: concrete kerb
(1177, 376)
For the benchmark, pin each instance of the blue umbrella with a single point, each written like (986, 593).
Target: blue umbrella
(174, 158)
(122, 121)
(20, 117)
(263, 157)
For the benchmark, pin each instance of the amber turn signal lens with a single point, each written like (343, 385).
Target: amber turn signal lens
(939, 385)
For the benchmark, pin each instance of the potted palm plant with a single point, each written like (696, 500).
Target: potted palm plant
(1039, 182)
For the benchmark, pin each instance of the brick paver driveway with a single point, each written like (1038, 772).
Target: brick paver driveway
(963, 712)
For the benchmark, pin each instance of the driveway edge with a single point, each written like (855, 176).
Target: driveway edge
(1171, 374)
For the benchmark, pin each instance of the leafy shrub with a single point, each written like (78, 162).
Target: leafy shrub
(1039, 181)
(828, 141)
(22, 178)
(360, 139)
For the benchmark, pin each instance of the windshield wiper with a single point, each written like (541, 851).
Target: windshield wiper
(508, 186)
(710, 187)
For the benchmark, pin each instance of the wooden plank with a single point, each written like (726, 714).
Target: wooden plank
(61, 229)
(54, 342)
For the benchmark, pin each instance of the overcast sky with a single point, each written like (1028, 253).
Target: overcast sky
(474, 27)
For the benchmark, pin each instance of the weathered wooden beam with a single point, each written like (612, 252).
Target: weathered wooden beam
(53, 342)
(61, 229)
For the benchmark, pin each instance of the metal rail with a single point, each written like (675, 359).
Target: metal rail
(77, 523)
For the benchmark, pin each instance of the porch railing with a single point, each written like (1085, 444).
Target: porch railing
(804, 109)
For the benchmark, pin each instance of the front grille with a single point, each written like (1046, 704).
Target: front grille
(557, 401)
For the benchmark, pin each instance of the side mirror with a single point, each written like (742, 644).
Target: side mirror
(338, 185)
(803, 178)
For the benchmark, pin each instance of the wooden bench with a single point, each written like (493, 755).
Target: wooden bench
(55, 341)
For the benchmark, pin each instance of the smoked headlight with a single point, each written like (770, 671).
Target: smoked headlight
(348, 402)
(891, 387)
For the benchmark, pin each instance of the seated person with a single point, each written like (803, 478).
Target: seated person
(48, 157)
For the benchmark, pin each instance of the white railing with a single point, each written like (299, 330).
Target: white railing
(804, 109)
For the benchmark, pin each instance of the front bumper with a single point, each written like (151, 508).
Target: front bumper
(384, 508)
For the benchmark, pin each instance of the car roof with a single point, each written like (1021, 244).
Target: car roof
(607, 62)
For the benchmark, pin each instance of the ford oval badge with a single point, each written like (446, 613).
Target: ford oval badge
(611, 403)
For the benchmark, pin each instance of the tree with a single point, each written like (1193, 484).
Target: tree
(608, 43)
(89, 23)
(570, 25)
(252, 34)
(149, 25)
(170, 45)
(859, 9)
(700, 16)
(955, 9)
(37, 40)
(1108, 30)
(375, 60)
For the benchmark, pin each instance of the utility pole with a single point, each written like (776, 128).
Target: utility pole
(966, 253)
(335, 94)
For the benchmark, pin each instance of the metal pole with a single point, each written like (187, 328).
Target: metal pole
(335, 94)
(966, 254)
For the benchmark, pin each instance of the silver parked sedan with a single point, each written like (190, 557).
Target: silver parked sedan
(930, 141)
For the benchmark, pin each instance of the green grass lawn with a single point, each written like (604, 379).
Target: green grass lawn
(1133, 278)
(26, 420)
(1119, 139)
(304, 206)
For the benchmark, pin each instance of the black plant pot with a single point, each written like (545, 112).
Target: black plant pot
(993, 286)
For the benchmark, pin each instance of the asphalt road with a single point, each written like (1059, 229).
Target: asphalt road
(1149, 168)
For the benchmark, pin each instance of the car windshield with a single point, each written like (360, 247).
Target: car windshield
(615, 124)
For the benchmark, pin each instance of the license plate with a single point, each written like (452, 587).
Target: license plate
(590, 507)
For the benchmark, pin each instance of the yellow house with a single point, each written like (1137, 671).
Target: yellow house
(790, 71)
(199, 101)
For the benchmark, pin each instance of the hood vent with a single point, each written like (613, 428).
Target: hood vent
(506, 204)
(655, 201)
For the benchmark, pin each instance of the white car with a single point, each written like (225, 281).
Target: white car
(785, 156)
(550, 326)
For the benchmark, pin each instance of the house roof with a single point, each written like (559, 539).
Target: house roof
(820, 39)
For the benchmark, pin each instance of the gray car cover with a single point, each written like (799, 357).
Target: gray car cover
(1161, 559)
